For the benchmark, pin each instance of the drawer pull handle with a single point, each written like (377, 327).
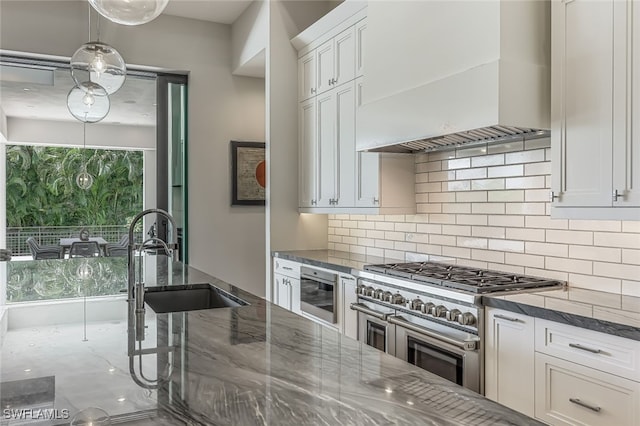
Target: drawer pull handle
(286, 268)
(584, 348)
(506, 318)
(584, 404)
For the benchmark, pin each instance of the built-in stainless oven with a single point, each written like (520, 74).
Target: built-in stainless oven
(319, 294)
(449, 353)
(373, 327)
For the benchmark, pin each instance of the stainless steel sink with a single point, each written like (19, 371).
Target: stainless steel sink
(191, 297)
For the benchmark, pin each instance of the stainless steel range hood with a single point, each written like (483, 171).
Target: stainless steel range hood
(443, 74)
(483, 136)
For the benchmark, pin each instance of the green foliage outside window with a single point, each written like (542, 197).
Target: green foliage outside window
(42, 190)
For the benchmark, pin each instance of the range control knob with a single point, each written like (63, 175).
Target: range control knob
(416, 304)
(428, 308)
(387, 296)
(453, 314)
(467, 319)
(377, 293)
(360, 289)
(397, 299)
(440, 311)
(369, 291)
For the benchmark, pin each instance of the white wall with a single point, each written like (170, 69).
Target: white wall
(224, 241)
(249, 40)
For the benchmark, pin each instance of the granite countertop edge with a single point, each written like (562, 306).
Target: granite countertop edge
(595, 324)
(352, 263)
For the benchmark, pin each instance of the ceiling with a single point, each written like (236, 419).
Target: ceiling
(42, 94)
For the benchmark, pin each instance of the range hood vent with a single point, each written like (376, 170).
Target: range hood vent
(483, 136)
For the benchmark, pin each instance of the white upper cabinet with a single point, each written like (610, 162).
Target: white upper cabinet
(361, 31)
(307, 76)
(595, 158)
(307, 150)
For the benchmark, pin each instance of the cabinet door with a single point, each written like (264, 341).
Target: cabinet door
(582, 101)
(294, 293)
(349, 317)
(307, 76)
(509, 360)
(346, 144)
(327, 155)
(345, 57)
(626, 150)
(307, 173)
(325, 67)
(283, 291)
(361, 31)
(367, 167)
(571, 394)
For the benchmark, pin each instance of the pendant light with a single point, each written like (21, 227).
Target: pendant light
(129, 12)
(98, 63)
(88, 102)
(84, 180)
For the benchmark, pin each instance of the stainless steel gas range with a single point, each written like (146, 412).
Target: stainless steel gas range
(430, 314)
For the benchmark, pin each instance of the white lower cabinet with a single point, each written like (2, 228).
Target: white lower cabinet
(287, 292)
(509, 360)
(349, 320)
(568, 394)
(561, 374)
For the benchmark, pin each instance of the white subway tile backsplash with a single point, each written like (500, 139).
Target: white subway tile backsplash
(569, 237)
(489, 207)
(488, 231)
(471, 219)
(610, 239)
(487, 160)
(526, 208)
(471, 197)
(460, 163)
(531, 156)
(525, 234)
(505, 171)
(481, 184)
(514, 195)
(603, 254)
(507, 245)
(525, 182)
(514, 221)
(546, 249)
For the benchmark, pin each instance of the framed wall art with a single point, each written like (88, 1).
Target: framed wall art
(248, 173)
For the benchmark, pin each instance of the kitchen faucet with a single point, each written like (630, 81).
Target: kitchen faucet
(136, 287)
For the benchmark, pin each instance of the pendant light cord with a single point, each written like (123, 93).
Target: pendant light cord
(84, 144)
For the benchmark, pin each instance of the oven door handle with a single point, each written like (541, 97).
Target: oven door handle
(365, 310)
(467, 345)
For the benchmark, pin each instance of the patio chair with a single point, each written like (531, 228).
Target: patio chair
(121, 248)
(43, 251)
(84, 249)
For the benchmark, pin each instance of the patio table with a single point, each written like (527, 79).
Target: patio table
(65, 243)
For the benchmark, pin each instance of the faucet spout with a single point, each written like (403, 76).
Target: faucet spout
(135, 286)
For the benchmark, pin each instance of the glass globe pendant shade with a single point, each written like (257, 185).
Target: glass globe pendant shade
(88, 102)
(99, 63)
(84, 180)
(129, 12)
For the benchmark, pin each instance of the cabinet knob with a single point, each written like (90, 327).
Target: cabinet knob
(617, 194)
(314, 202)
(553, 196)
(330, 81)
(313, 90)
(376, 201)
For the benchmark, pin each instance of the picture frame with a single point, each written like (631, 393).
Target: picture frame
(248, 173)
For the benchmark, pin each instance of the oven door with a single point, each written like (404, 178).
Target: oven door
(318, 294)
(448, 354)
(373, 328)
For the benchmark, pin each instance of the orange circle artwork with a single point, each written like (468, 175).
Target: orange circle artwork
(261, 174)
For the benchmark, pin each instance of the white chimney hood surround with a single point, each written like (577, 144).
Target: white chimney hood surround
(469, 68)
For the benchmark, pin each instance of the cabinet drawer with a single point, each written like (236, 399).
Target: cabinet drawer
(286, 267)
(570, 394)
(613, 354)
